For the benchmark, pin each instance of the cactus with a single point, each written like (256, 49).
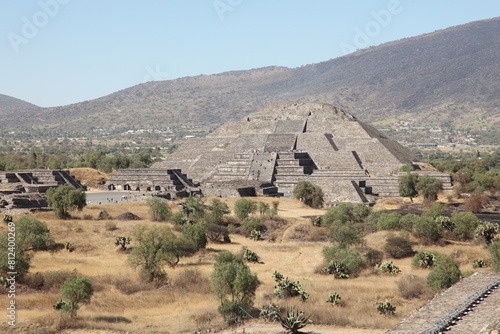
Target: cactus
(255, 235)
(68, 246)
(386, 308)
(123, 242)
(288, 288)
(334, 298)
(293, 320)
(337, 269)
(387, 267)
(250, 256)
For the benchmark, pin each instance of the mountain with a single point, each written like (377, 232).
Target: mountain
(449, 77)
(14, 112)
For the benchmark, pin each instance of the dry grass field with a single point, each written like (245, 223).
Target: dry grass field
(122, 303)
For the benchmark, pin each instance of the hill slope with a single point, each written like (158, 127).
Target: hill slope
(449, 77)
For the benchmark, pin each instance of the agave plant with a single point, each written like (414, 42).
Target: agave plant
(293, 320)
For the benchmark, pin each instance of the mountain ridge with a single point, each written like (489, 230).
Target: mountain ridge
(438, 77)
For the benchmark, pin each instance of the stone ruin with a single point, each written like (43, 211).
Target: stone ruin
(25, 189)
(270, 151)
(469, 306)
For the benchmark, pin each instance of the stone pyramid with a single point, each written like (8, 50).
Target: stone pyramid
(269, 151)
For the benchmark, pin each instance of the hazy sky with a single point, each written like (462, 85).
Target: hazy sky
(56, 52)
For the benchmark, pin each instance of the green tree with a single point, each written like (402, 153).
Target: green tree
(244, 207)
(197, 233)
(157, 246)
(20, 263)
(465, 224)
(429, 186)
(263, 208)
(444, 273)
(309, 194)
(408, 185)
(346, 234)
(194, 207)
(32, 234)
(218, 209)
(64, 199)
(75, 291)
(234, 286)
(159, 209)
(427, 229)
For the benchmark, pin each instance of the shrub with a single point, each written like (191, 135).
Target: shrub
(465, 225)
(110, 226)
(251, 223)
(244, 207)
(411, 286)
(32, 234)
(288, 288)
(73, 292)
(389, 221)
(350, 259)
(434, 210)
(293, 321)
(429, 186)
(407, 221)
(218, 209)
(494, 249)
(346, 234)
(398, 247)
(197, 233)
(427, 229)
(234, 285)
(309, 194)
(444, 273)
(374, 257)
(334, 298)
(387, 267)
(217, 233)
(34, 281)
(159, 209)
(104, 215)
(192, 280)
(386, 308)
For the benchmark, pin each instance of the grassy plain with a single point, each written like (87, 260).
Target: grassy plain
(122, 303)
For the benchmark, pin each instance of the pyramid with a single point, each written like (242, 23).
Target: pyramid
(268, 152)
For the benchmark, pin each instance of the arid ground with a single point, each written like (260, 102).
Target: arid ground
(122, 303)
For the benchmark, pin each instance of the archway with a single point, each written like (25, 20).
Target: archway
(127, 187)
(111, 187)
